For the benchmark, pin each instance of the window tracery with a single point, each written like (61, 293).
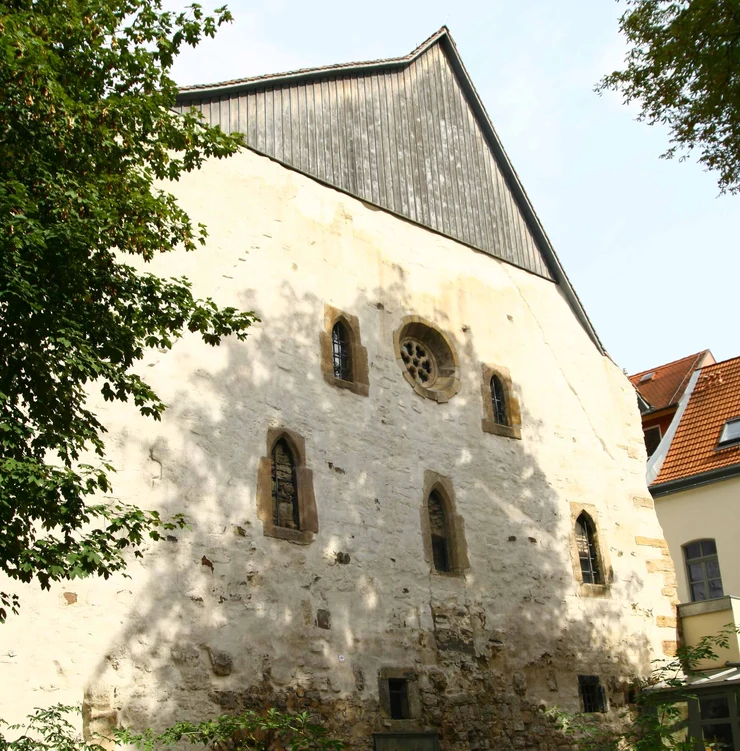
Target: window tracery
(341, 357)
(587, 551)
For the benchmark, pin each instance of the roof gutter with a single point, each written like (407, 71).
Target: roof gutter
(695, 481)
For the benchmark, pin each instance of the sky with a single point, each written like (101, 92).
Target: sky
(649, 244)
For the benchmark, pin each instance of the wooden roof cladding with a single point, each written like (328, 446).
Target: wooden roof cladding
(409, 135)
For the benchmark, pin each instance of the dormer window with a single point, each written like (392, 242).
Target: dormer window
(730, 433)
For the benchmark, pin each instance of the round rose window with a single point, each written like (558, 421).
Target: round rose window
(428, 359)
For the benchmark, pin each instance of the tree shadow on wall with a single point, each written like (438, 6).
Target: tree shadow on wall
(230, 619)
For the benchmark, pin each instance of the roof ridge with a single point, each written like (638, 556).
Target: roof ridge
(697, 360)
(724, 362)
(666, 364)
(333, 67)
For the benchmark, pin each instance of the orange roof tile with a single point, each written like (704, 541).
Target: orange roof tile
(669, 381)
(714, 400)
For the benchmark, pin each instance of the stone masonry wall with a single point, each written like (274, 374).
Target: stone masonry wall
(220, 617)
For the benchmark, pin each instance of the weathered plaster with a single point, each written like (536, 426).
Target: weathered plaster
(487, 646)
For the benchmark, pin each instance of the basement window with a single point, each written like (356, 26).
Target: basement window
(398, 693)
(730, 433)
(592, 693)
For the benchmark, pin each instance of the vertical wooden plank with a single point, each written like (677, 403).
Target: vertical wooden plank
(242, 114)
(388, 146)
(363, 136)
(386, 178)
(432, 142)
(468, 124)
(399, 137)
(441, 139)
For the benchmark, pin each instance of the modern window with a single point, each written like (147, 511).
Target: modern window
(498, 400)
(715, 719)
(702, 570)
(585, 532)
(439, 528)
(593, 696)
(284, 487)
(730, 434)
(341, 357)
(652, 439)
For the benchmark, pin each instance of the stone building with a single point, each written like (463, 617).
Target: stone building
(416, 492)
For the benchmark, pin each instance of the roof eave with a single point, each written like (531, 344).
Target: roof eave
(694, 481)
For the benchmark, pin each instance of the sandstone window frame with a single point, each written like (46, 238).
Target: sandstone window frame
(586, 589)
(307, 514)
(445, 362)
(489, 424)
(359, 382)
(457, 550)
(413, 695)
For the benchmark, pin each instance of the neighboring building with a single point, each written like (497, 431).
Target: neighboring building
(417, 492)
(659, 391)
(695, 481)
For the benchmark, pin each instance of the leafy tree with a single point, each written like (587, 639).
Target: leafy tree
(683, 69)
(52, 730)
(87, 134)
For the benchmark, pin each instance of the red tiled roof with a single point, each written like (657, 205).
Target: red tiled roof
(714, 400)
(668, 382)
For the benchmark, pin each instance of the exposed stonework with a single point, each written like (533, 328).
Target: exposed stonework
(509, 633)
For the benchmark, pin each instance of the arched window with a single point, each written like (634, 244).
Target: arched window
(284, 487)
(341, 352)
(587, 552)
(498, 398)
(439, 529)
(702, 570)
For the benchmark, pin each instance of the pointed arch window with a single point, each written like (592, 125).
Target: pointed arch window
(439, 529)
(285, 511)
(588, 557)
(341, 352)
(498, 401)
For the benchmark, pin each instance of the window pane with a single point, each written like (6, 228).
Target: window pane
(715, 588)
(713, 569)
(731, 431)
(708, 547)
(714, 709)
(696, 572)
(698, 592)
(720, 735)
(693, 550)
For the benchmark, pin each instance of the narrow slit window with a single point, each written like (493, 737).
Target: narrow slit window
(587, 551)
(592, 693)
(284, 487)
(439, 532)
(398, 694)
(341, 352)
(702, 570)
(498, 398)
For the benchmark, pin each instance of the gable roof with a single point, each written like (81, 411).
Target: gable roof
(693, 450)
(668, 382)
(409, 135)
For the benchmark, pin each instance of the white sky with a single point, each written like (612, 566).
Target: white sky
(648, 244)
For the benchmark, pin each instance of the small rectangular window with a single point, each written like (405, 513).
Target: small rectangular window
(592, 693)
(730, 432)
(398, 693)
(652, 439)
